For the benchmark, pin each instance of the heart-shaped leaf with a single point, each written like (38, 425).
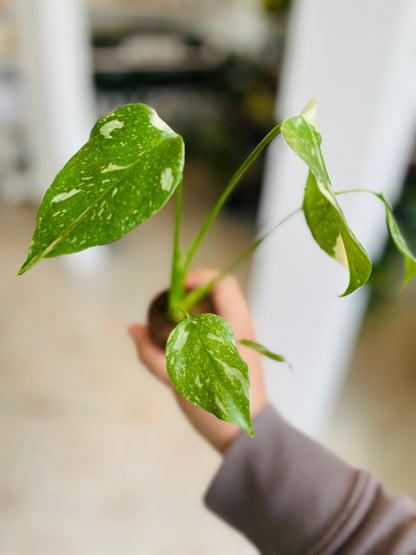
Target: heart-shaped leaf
(207, 369)
(322, 211)
(126, 172)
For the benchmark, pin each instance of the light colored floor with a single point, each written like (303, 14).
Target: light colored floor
(374, 425)
(94, 457)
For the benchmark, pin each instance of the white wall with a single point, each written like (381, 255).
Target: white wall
(57, 82)
(358, 59)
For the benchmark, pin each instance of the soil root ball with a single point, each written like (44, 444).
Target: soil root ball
(160, 326)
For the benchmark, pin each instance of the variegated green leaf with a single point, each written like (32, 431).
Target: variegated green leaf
(207, 369)
(333, 235)
(398, 240)
(323, 214)
(126, 172)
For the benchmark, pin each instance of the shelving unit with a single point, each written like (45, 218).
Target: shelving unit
(13, 149)
(209, 68)
(69, 62)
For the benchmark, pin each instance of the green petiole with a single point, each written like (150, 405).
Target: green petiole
(196, 295)
(227, 191)
(180, 262)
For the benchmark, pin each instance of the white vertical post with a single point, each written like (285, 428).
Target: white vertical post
(358, 59)
(57, 79)
(57, 75)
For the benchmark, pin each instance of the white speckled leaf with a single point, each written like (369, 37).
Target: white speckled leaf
(207, 369)
(323, 214)
(399, 242)
(128, 169)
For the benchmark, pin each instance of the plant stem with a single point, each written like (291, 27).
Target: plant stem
(194, 296)
(227, 191)
(356, 191)
(177, 273)
(378, 195)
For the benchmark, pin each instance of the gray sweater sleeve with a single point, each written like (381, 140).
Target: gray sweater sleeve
(289, 495)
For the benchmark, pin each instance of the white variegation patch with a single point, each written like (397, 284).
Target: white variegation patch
(309, 112)
(181, 337)
(109, 127)
(220, 404)
(65, 196)
(166, 179)
(215, 337)
(340, 254)
(326, 192)
(114, 168)
(158, 122)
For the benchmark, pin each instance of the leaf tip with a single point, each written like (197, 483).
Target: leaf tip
(23, 269)
(28, 264)
(309, 112)
(247, 427)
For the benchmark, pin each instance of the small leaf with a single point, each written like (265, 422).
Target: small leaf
(331, 232)
(322, 212)
(398, 240)
(125, 173)
(207, 369)
(263, 351)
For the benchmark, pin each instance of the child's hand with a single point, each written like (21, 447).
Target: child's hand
(229, 303)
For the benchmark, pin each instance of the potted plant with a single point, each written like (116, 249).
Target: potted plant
(131, 165)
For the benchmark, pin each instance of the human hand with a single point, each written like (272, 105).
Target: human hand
(231, 305)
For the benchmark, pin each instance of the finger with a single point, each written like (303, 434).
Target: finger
(233, 307)
(150, 355)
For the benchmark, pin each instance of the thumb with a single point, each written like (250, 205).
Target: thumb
(151, 356)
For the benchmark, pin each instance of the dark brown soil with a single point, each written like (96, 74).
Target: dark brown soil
(159, 324)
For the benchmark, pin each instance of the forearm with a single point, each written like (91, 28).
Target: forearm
(290, 495)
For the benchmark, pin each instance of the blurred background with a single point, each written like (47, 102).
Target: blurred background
(94, 456)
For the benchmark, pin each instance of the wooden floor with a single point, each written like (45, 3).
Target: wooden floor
(94, 457)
